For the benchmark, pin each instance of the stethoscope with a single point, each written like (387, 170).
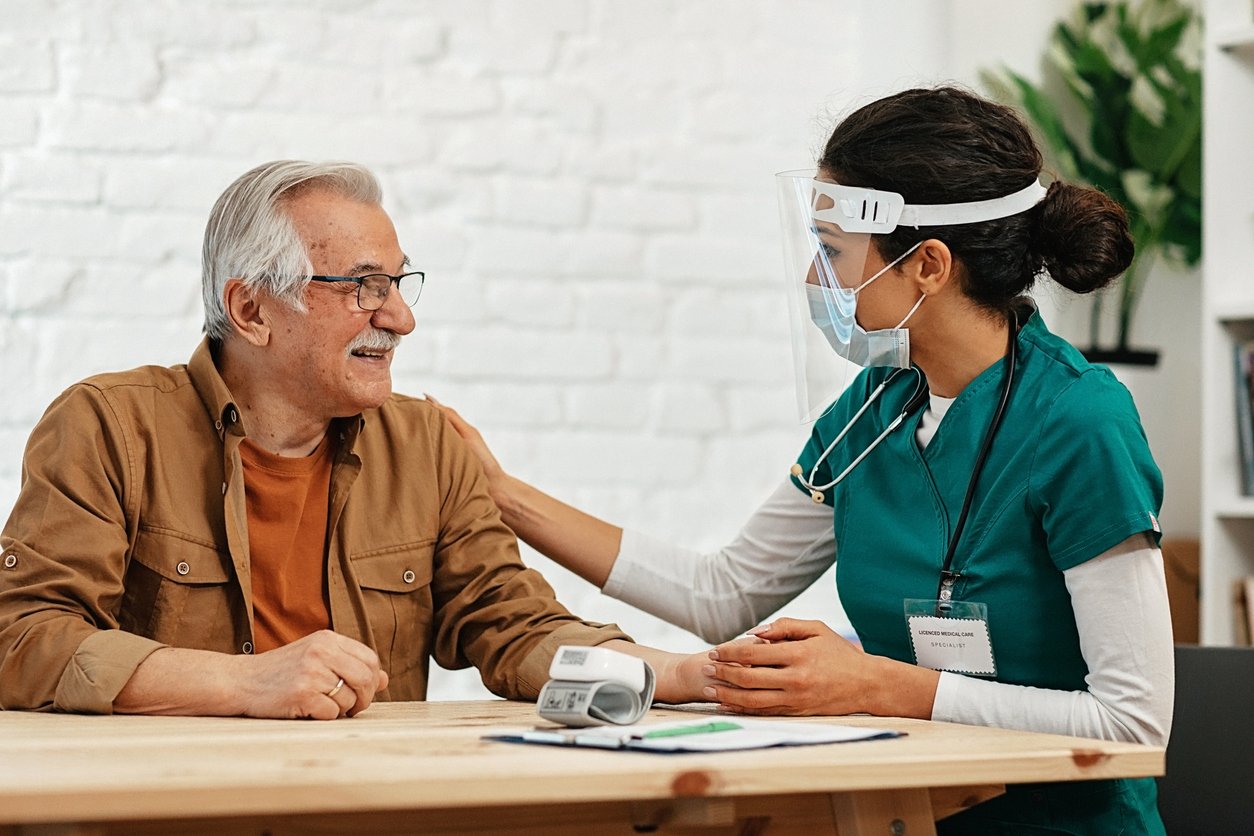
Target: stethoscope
(917, 399)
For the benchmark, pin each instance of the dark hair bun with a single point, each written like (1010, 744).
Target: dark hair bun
(1081, 237)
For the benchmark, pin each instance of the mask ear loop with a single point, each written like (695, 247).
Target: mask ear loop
(890, 265)
(906, 318)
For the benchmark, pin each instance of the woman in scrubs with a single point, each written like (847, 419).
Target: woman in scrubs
(990, 494)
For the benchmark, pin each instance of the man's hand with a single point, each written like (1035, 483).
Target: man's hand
(301, 679)
(296, 680)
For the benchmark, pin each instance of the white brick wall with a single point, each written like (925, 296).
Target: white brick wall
(587, 183)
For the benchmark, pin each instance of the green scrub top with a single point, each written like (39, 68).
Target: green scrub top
(1069, 475)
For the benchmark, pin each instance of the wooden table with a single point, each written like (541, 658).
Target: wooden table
(409, 767)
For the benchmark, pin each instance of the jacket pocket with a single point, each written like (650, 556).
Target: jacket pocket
(179, 592)
(396, 590)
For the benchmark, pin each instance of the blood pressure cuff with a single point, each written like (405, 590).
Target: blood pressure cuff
(594, 685)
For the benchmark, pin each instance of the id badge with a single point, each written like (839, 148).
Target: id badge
(957, 641)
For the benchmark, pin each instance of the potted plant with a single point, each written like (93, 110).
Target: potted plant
(1120, 108)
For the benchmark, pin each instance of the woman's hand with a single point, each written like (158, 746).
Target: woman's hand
(491, 467)
(795, 667)
(804, 667)
(582, 543)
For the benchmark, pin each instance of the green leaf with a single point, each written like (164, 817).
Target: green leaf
(1183, 231)
(1189, 175)
(1160, 149)
(1162, 43)
(1130, 117)
(1107, 122)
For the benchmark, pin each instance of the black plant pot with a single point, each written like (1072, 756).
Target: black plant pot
(1121, 356)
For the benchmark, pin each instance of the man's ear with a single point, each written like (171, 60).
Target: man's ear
(244, 310)
(932, 267)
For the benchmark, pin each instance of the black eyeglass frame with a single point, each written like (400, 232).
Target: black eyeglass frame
(379, 291)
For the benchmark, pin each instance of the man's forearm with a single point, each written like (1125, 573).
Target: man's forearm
(176, 680)
(321, 676)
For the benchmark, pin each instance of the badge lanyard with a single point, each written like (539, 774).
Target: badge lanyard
(945, 588)
(950, 635)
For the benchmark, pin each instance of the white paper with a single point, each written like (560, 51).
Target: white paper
(751, 733)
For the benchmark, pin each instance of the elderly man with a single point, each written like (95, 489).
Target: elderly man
(269, 530)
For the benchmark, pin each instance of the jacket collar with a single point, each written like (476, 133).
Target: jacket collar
(209, 384)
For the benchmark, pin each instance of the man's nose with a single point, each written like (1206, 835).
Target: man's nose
(394, 315)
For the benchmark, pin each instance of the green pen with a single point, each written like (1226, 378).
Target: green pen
(715, 726)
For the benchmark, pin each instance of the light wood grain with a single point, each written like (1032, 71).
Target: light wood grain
(430, 756)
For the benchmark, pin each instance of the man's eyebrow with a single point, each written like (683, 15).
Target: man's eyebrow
(363, 268)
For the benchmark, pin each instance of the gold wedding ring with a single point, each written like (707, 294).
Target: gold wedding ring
(337, 688)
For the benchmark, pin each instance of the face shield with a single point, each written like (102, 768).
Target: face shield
(827, 231)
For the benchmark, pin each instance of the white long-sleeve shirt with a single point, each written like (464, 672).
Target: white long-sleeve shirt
(1119, 599)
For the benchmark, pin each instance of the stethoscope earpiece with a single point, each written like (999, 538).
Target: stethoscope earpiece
(817, 496)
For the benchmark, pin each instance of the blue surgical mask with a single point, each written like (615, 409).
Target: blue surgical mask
(832, 311)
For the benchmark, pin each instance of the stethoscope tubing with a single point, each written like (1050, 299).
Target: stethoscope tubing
(816, 491)
(916, 400)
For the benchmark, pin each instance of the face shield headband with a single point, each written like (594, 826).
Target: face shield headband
(827, 235)
(878, 212)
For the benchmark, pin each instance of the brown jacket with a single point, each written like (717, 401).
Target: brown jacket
(130, 533)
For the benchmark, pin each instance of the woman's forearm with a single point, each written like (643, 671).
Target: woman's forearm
(582, 543)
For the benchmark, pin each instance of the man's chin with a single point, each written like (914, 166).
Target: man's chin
(365, 397)
(376, 397)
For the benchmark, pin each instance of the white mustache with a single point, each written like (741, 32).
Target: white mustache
(375, 339)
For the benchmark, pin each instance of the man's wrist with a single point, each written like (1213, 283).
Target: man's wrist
(233, 680)
(678, 677)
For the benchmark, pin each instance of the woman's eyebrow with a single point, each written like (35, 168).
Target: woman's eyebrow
(829, 229)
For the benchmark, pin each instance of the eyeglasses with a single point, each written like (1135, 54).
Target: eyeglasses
(373, 289)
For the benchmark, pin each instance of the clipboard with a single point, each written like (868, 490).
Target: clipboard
(718, 735)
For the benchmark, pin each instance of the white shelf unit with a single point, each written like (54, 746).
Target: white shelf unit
(1227, 529)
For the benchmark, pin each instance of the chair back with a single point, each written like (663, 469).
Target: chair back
(1209, 785)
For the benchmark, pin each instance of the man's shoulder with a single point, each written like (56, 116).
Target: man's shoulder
(405, 420)
(407, 408)
(155, 378)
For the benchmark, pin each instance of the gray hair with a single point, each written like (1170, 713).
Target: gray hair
(250, 237)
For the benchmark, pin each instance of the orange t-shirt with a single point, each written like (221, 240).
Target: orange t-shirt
(287, 502)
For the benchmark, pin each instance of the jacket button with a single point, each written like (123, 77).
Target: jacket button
(247, 647)
(233, 416)
(409, 576)
(10, 560)
(224, 488)
(217, 425)
(183, 568)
